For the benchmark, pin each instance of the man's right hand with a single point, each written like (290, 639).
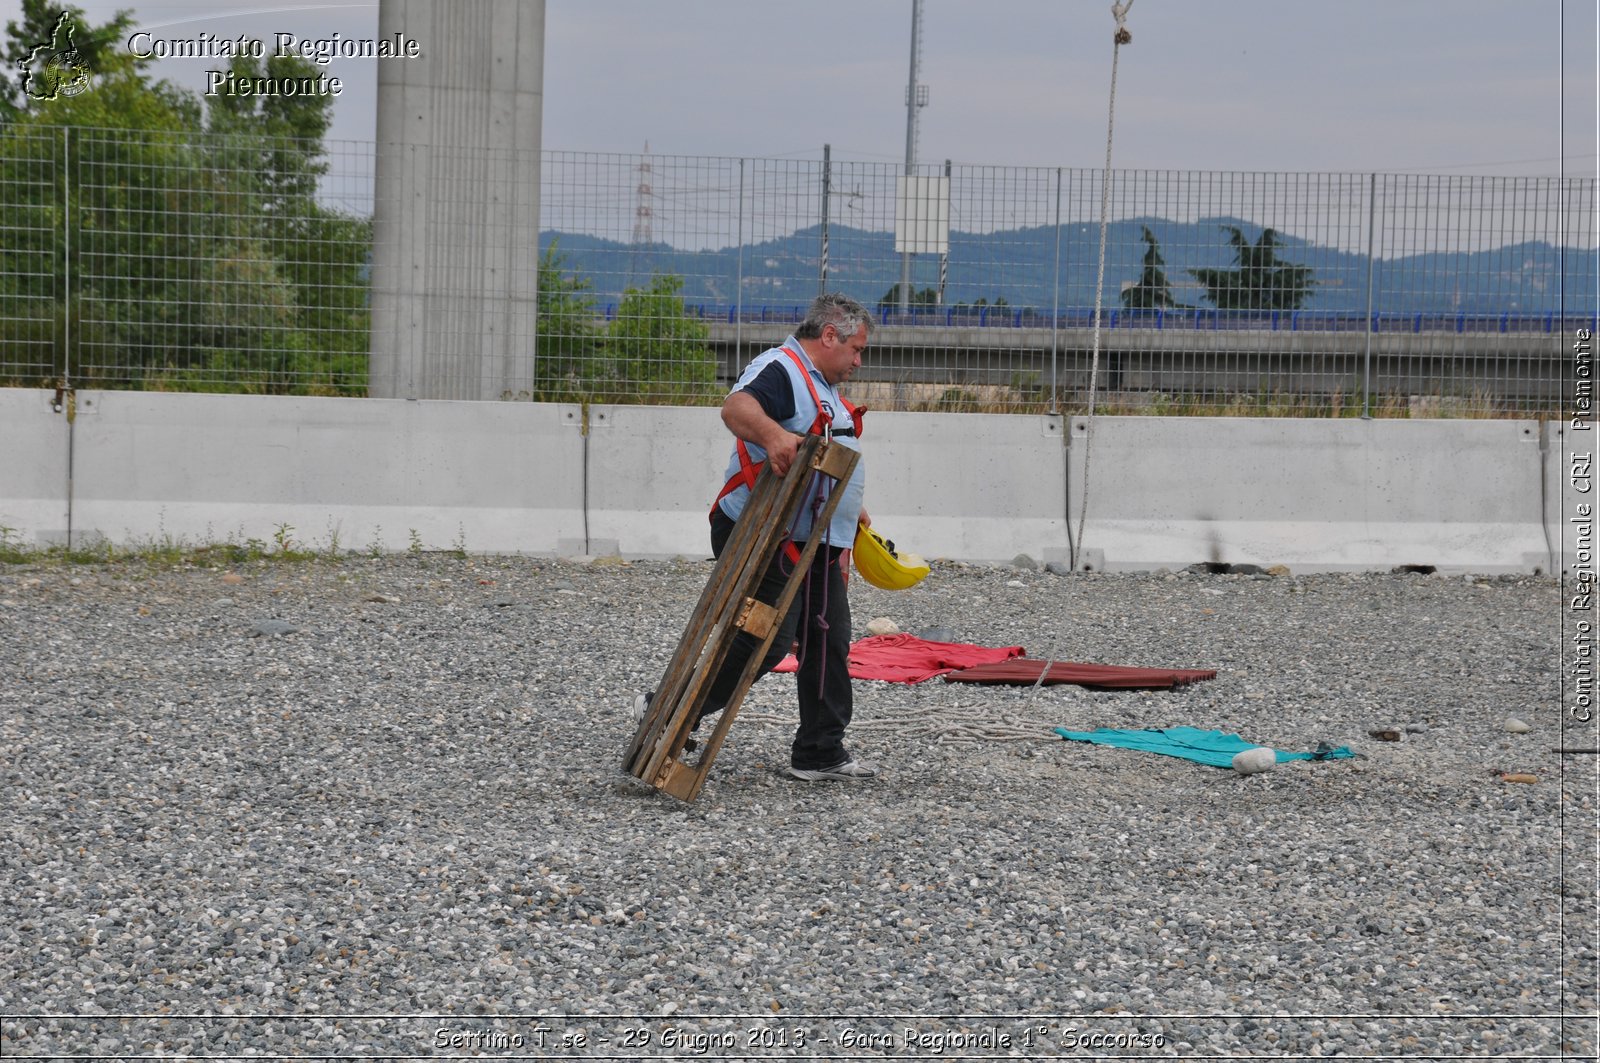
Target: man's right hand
(746, 419)
(781, 450)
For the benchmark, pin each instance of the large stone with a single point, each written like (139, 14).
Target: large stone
(1255, 761)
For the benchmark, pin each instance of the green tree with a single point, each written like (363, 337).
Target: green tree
(655, 350)
(30, 42)
(198, 259)
(1152, 291)
(279, 137)
(270, 150)
(568, 341)
(107, 175)
(1259, 280)
(890, 302)
(983, 303)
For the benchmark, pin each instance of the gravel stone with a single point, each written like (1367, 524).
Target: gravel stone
(419, 812)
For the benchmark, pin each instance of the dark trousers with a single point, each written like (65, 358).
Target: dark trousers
(821, 615)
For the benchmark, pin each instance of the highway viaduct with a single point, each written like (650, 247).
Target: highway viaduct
(1522, 369)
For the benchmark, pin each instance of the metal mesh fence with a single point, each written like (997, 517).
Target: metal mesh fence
(218, 263)
(31, 293)
(1220, 292)
(169, 261)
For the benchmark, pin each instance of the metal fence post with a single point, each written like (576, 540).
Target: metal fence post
(1055, 305)
(738, 288)
(944, 256)
(1366, 373)
(66, 264)
(827, 178)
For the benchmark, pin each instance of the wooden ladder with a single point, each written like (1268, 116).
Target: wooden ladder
(728, 606)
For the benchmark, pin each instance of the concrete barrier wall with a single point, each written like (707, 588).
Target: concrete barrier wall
(652, 473)
(1315, 495)
(34, 446)
(535, 479)
(492, 477)
(968, 486)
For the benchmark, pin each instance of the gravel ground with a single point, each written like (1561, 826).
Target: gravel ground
(400, 828)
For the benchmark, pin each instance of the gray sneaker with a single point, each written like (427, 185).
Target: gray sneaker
(848, 771)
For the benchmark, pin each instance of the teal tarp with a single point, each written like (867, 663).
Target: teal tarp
(1191, 743)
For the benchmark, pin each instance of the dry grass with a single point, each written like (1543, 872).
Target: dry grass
(991, 398)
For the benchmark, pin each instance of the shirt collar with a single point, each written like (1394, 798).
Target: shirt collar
(811, 367)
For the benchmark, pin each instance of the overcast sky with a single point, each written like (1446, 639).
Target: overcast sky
(1430, 86)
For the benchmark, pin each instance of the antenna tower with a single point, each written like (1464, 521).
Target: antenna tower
(641, 208)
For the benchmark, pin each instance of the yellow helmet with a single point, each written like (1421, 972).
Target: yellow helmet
(882, 566)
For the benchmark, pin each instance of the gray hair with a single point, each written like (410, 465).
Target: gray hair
(842, 312)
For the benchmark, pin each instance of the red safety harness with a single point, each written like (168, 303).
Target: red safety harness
(822, 426)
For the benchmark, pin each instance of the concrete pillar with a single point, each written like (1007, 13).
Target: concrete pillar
(456, 217)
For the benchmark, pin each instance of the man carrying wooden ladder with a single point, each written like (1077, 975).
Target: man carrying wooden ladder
(785, 394)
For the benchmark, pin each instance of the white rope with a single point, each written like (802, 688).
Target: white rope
(965, 724)
(1120, 11)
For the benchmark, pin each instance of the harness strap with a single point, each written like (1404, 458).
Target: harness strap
(822, 425)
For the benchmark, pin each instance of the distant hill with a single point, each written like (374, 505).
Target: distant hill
(1020, 265)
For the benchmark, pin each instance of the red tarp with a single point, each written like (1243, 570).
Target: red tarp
(908, 659)
(1099, 676)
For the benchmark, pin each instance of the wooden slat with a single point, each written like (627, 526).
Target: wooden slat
(704, 644)
(727, 606)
